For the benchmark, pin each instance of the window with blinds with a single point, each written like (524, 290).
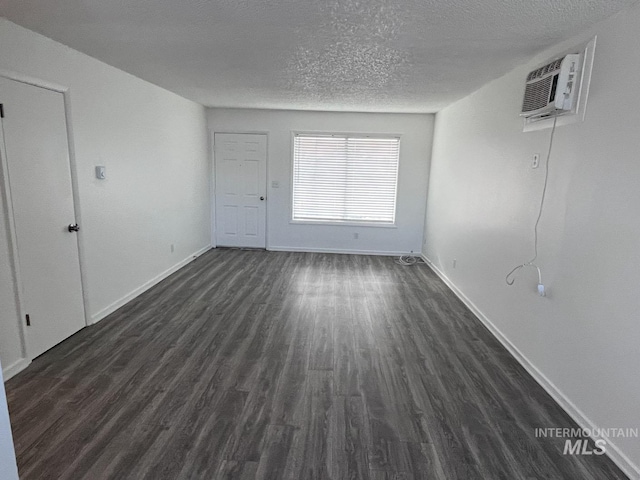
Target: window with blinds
(342, 178)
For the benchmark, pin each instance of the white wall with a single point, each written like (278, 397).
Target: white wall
(415, 153)
(154, 145)
(8, 467)
(483, 199)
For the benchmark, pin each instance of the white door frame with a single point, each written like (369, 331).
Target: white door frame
(212, 136)
(10, 224)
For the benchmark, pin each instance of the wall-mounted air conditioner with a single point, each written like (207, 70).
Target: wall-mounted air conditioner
(553, 89)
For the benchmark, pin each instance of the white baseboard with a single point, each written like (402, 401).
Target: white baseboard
(15, 368)
(613, 452)
(338, 250)
(96, 317)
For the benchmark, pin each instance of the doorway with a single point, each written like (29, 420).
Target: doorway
(240, 171)
(34, 146)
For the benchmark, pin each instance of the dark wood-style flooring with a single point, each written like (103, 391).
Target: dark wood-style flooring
(273, 365)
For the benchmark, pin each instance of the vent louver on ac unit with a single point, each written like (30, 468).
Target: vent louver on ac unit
(536, 95)
(552, 89)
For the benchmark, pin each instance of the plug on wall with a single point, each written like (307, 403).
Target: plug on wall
(541, 290)
(536, 160)
(101, 172)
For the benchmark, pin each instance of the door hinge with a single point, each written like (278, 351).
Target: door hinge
(28, 320)
(1, 110)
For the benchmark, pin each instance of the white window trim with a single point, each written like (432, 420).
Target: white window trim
(346, 223)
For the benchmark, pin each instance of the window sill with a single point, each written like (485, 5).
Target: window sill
(338, 223)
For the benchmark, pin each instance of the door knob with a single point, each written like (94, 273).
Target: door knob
(261, 198)
(73, 227)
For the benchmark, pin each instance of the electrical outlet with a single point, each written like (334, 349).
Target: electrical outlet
(454, 263)
(536, 160)
(172, 248)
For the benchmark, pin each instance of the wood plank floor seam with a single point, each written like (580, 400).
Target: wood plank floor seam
(253, 365)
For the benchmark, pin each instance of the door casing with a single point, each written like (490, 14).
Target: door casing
(212, 135)
(9, 213)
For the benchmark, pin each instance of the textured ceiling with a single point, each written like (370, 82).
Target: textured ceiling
(353, 55)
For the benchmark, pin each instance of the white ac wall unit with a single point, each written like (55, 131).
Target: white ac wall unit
(553, 89)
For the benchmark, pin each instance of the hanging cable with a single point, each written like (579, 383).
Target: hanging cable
(531, 263)
(544, 192)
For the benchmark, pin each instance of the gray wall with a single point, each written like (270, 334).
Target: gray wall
(415, 153)
(155, 147)
(583, 339)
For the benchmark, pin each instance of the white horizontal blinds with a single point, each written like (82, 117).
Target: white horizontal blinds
(343, 178)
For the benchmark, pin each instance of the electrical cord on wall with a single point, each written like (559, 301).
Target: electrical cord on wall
(531, 263)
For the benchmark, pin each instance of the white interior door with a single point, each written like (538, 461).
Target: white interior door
(37, 159)
(241, 176)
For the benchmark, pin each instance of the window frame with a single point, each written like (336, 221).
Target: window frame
(336, 222)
